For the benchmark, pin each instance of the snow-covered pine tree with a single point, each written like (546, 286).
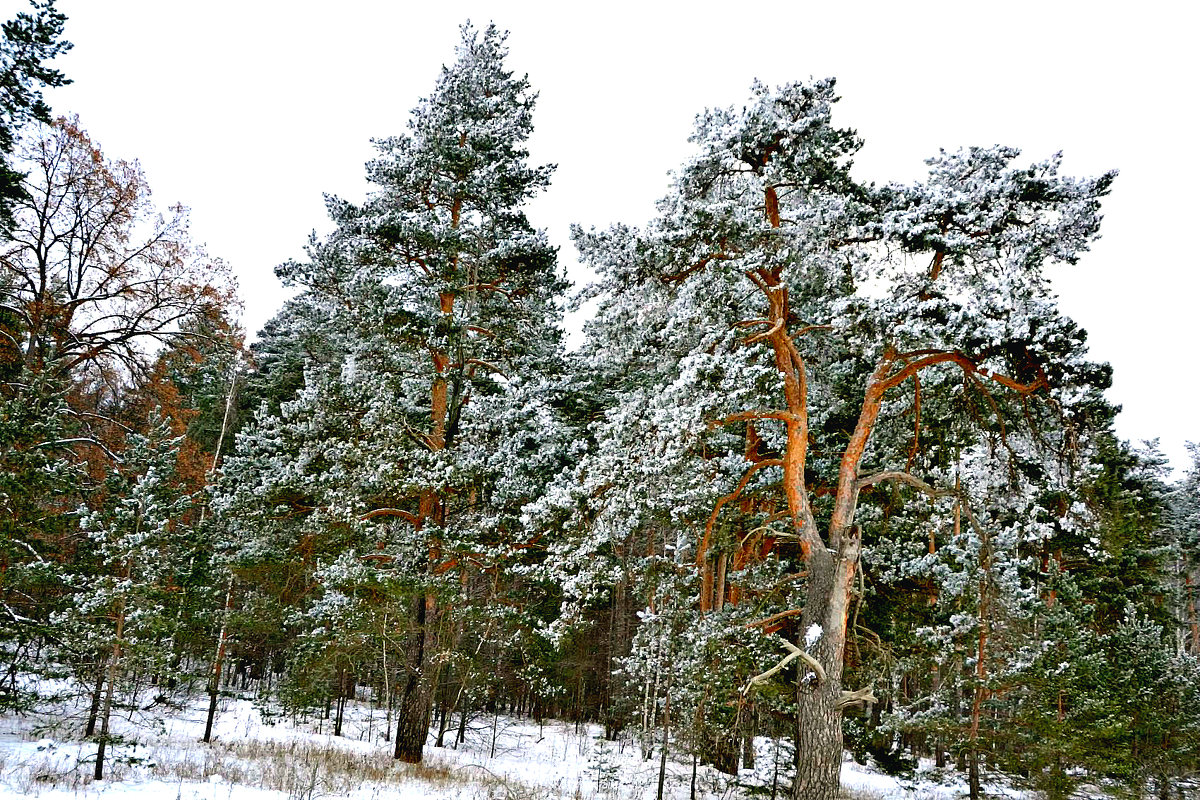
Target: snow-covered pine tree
(448, 301)
(794, 307)
(297, 338)
(40, 478)
(123, 611)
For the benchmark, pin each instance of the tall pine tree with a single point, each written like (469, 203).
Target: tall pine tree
(444, 303)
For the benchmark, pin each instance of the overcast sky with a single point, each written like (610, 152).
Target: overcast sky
(248, 111)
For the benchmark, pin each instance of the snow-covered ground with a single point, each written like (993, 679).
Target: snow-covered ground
(259, 753)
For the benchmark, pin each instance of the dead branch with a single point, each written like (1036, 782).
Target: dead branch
(905, 478)
(858, 697)
(794, 653)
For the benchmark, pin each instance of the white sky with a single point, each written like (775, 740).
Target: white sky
(248, 111)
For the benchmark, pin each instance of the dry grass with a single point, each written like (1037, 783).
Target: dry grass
(300, 770)
(860, 794)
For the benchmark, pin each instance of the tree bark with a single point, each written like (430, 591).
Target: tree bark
(412, 717)
(818, 757)
(818, 743)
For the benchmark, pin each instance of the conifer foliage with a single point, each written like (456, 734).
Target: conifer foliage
(424, 436)
(790, 309)
(829, 466)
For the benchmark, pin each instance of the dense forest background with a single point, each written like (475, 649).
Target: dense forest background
(829, 466)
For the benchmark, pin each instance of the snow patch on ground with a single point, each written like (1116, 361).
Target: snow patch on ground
(261, 753)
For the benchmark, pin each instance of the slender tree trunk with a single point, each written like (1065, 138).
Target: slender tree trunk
(443, 721)
(97, 694)
(666, 739)
(722, 564)
(461, 735)
(495, 719)
(387, 686)
(214, 681)
(107, 712)
(114, 662)
(341, 703)
(775, 772)
(980, 665)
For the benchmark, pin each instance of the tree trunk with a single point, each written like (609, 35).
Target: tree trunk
(461, 735)
(97, 694)
(818, 743)
(666, 740)
(412, 718)
(214, 682)
(818, 716)
(114, 662)
(341, 704)
(1193, 619)
(443, 720)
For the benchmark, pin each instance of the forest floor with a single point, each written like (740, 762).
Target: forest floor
(260, 753)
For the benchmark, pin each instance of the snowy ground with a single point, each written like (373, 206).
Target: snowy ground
(260, 754)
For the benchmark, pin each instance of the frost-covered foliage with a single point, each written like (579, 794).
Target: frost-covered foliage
(138, 542)
(38, 471)
(1185, 508)
(829, 450)
(127, 604)
(410, 394)
(785, 350)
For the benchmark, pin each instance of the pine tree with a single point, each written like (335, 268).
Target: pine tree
(425, 436)
(790, 305)
(29, 40)
(40, 479)
(123, 612)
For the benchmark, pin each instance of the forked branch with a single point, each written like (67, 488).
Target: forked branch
(794, 653)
